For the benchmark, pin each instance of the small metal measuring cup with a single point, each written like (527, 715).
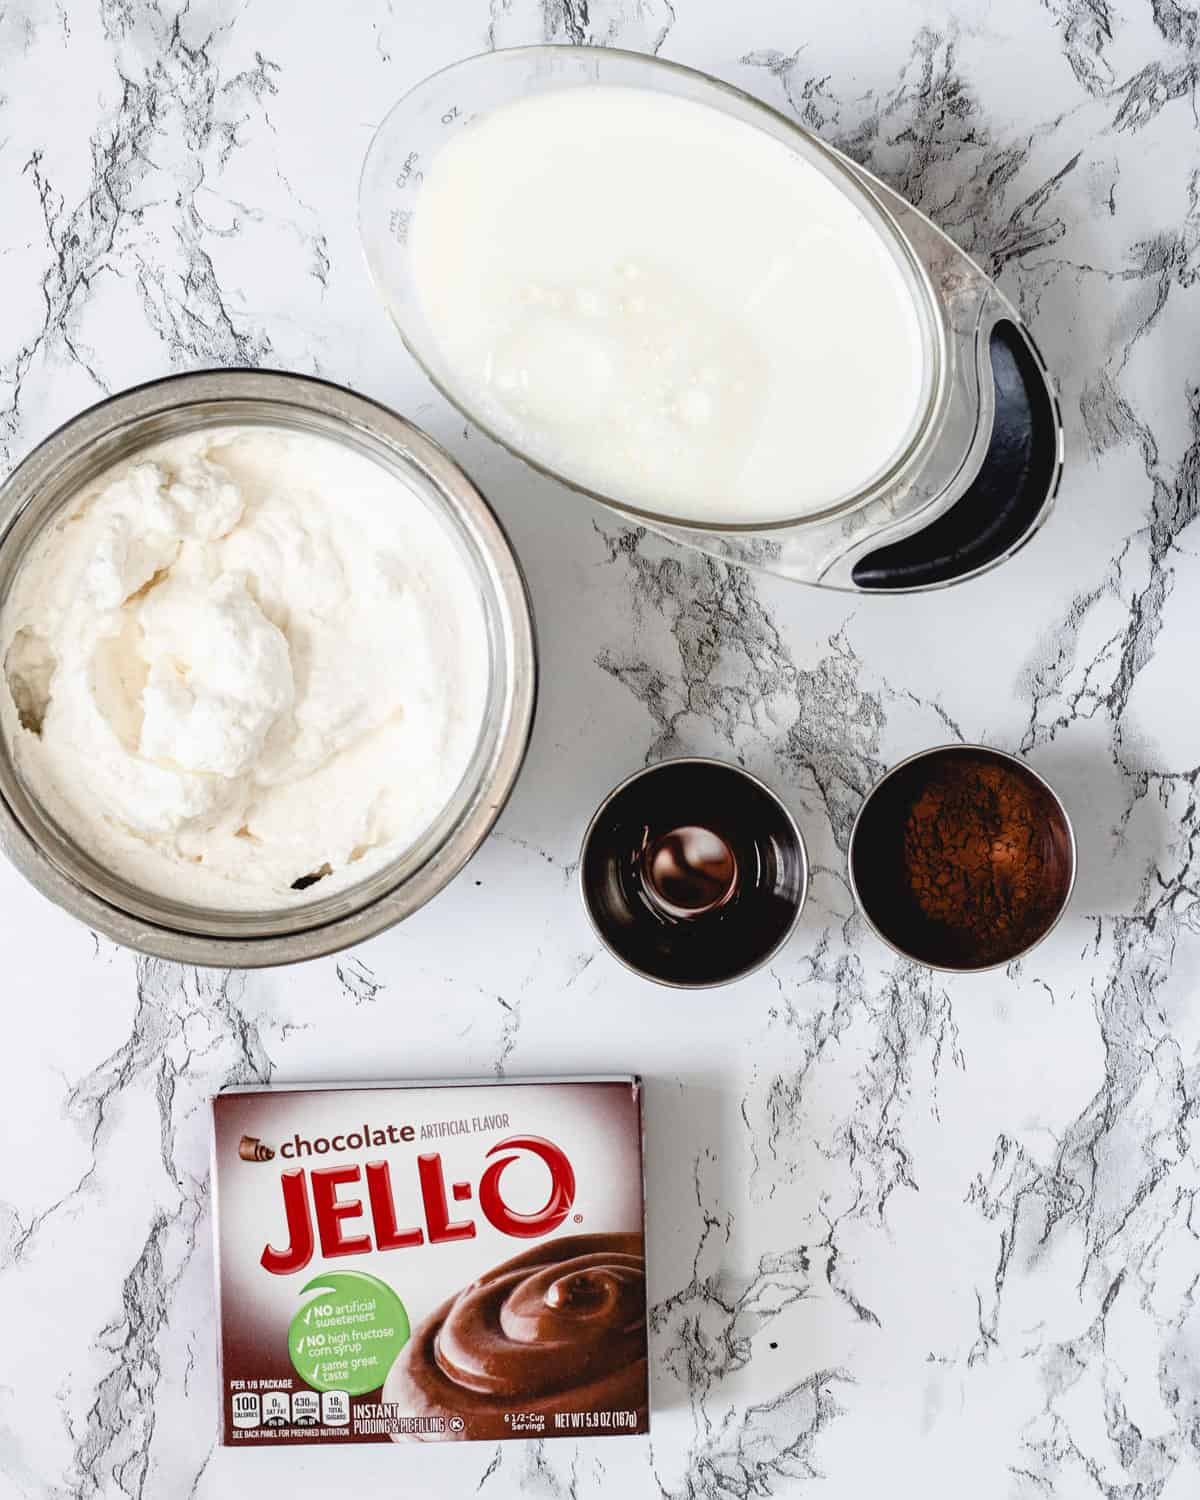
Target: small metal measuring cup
(693, 873)
(882, 885)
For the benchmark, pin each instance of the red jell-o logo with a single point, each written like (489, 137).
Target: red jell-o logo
(315, 1213)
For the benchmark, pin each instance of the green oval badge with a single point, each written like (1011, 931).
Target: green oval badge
(347, 1336)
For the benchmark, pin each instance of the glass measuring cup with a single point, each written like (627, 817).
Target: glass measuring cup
(981, 468)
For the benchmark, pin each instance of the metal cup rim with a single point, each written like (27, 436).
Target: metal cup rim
(793, 827)
(1003, 755)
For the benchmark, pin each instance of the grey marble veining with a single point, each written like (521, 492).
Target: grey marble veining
(909, 1234)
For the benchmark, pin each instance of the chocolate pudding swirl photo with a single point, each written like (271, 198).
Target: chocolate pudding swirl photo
(556, 1336)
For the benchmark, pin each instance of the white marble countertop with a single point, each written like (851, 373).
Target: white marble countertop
(909, 1235)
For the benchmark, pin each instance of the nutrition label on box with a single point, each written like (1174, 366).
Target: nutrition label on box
(262, 1410)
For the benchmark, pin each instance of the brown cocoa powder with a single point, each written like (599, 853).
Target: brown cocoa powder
(975, 853)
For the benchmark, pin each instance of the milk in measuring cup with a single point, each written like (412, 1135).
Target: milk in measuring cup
(667, 306)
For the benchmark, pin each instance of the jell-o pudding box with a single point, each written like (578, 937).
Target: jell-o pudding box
(432, 1262)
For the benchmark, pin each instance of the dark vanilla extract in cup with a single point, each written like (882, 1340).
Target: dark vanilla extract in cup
(962, 858)
(693, 872)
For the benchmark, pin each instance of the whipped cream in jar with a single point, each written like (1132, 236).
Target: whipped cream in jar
(266, 667)
(243, 667)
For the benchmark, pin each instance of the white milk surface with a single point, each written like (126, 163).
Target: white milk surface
(667, 306)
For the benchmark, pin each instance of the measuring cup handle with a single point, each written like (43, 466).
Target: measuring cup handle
(1010, 495)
